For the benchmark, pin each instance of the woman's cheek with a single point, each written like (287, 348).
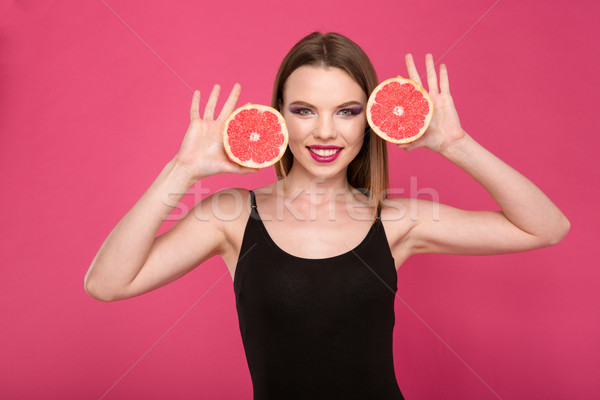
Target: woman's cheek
(353, 130)
(298, 128)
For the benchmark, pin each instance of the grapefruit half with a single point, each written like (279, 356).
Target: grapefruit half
(399, 110)
(255, 136)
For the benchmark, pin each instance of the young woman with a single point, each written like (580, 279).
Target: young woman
(313, 256)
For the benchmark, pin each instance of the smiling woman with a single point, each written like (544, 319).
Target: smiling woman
(337, 54)
(317, 105)
(315, 280)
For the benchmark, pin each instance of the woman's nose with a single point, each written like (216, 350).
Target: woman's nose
(325, 128)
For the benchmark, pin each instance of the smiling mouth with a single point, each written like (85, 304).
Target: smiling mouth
(324, 152)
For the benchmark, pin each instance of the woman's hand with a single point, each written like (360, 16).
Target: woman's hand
(444, 128)
(528, 219)
(202, 152)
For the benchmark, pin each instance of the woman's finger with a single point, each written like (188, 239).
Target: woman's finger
(405, 146)
(431, 75)
(209, 110)
(195, 109)
(412, 70)
(248, 170)
(238, 169)
(229, 105)
(444, 83)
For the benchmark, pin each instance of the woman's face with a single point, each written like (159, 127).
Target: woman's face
(324, 109)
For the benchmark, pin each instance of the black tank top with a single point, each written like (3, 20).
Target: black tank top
(317, 328)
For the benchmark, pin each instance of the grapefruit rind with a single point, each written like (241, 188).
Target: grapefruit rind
(372, 102)
(251, 163)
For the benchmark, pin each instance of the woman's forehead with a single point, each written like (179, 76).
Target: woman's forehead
(322, 86)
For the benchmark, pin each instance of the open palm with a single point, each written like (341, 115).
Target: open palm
(444, 128)
(202, 152)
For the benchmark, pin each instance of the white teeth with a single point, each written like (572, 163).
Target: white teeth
(324, 152)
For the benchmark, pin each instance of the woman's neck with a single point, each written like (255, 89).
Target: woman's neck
(316, 189)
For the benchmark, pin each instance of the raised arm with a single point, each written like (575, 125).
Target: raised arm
(132, 260)
(528, 219)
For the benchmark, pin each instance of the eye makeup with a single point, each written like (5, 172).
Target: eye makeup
(354, 110)
(300, 109)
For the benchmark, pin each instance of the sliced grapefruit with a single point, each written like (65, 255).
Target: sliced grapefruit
(399, 110)
(255, 136)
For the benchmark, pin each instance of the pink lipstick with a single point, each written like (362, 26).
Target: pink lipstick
(324, 154)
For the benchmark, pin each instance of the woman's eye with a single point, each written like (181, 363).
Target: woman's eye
(347, 112)
(302, 111)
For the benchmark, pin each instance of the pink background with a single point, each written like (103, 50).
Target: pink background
(94, 101)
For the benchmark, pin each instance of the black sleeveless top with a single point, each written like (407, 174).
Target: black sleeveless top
(317, 328)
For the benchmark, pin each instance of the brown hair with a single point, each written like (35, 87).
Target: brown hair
(368, 171)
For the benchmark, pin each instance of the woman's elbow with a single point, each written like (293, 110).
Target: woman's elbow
(92, 289)
(557, 234)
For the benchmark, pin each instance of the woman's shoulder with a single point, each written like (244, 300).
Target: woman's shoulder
(408, 210)
(395, 208)
(229, 201)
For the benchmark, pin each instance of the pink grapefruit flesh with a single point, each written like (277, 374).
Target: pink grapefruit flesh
(399, 110)
(255, 136)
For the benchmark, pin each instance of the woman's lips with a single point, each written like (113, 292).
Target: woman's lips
(324, 154)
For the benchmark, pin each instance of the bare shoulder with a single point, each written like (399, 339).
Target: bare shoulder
(229, 208)
(221, 212)
(226, 202)
(399, 217)
(221, 207)
(399, 211)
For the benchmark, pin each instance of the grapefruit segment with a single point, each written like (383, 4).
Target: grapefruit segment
(255, 136)
(399, 110)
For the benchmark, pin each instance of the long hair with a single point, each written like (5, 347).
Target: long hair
(368, 172)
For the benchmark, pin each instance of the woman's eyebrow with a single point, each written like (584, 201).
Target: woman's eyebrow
(346, 104)
(350, 103)
(302, 103)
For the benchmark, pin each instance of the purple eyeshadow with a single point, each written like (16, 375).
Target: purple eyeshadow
(355, 109)
(296, 107)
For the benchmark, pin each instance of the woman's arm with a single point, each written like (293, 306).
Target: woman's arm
(528, 219)
(132, 260)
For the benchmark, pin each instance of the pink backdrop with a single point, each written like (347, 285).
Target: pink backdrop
(94, 101)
